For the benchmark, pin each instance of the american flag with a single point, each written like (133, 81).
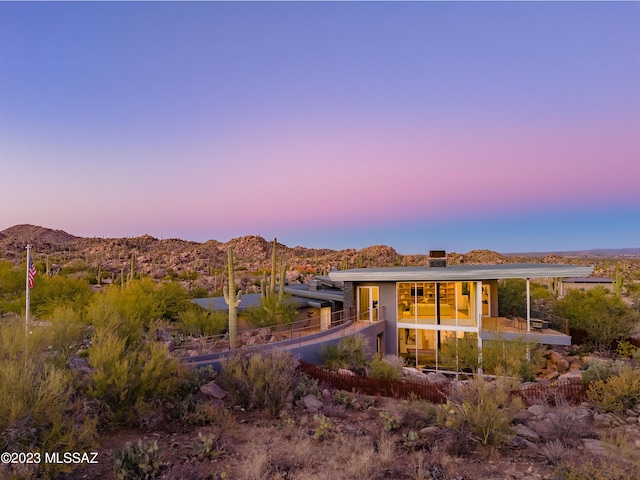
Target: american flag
(31, 273)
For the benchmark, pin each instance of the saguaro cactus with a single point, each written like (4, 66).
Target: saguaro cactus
(233, 300)
(271, 292)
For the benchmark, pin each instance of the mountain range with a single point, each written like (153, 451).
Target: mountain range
(205, 262)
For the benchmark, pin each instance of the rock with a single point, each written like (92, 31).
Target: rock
(631, 420)
(576, 364)
(603, 420)
(171, 345)
(595, 447)
(430, 430)
(413, 372)
(570, 375)
(436, 377)
(537, 410)
(311, 403)
(213, 390)
(344, 371)
(580, 414)
(517, 441)
(526, 432)
(553, 375)
(326, 393)
(561, 363)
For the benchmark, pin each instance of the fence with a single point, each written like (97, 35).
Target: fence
(572, 392)
(434, 393)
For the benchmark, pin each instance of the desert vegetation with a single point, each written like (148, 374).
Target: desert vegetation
(94, 371)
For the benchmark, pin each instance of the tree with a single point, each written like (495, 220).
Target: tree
(603, 316)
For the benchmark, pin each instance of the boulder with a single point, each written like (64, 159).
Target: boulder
(311, 403)
(344, 371)
(213, 390)
(537, 410)
(570, 375)
(436, 377)
(526, 433)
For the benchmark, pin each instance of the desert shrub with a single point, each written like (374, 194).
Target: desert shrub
(171, 299)
(137, 461)
(260, 379)
(103, 313)
(626, 349)
(197, 321)
(481, 410)
(617, 393)
(601, 370)
(461, 354)
(603, 316)
(272, 311)
(67, 330)
(513, 295)
(350, 352)
(417, 414)
(304, 386)
(595, 469)
(11, 288)
(128, 376)
(52, 292)
(37, 404)
(388, 367)
(510, 358)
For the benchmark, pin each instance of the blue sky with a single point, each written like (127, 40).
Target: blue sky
(419, 125)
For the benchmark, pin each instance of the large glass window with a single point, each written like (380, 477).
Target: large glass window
(436, 303)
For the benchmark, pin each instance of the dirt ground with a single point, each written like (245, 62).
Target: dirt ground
(339, 444)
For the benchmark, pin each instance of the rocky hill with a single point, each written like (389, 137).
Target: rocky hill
(202, 264)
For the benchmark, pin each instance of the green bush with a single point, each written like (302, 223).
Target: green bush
(481, 410)
(350, 352)
(510, 358)
(37, 396)
(617, 393)
(601, 370)
(272, 312)
(603, 316)
(388, 367)
(595, 469)
(197, 321)
(126, 377)
(260, 378)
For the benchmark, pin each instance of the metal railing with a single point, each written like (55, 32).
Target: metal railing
(547, 320)
(297, 330)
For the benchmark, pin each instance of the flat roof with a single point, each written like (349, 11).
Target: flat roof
(461, 272)
(588, 280)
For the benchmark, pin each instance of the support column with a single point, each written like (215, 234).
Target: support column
(528, 306)
(478, 302)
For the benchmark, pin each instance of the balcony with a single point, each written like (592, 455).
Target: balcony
(545, 328)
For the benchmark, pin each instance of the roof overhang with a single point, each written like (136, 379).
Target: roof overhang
(461, 273)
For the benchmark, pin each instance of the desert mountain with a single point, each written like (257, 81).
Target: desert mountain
(203, 264)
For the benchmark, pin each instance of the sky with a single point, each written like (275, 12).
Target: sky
(508, 126)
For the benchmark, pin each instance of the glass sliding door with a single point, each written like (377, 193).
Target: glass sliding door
(367, 304)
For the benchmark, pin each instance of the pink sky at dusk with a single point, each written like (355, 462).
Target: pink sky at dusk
(507, 126)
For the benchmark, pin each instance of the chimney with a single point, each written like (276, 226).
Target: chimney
(437, 258)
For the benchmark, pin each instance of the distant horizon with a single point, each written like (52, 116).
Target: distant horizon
(505, 126)
(319, 248)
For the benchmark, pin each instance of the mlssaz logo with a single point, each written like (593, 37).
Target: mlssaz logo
(71, 457)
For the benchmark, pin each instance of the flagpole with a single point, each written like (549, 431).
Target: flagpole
(26, 316)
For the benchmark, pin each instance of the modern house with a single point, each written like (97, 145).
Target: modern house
(585, 283)
(428, 311)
